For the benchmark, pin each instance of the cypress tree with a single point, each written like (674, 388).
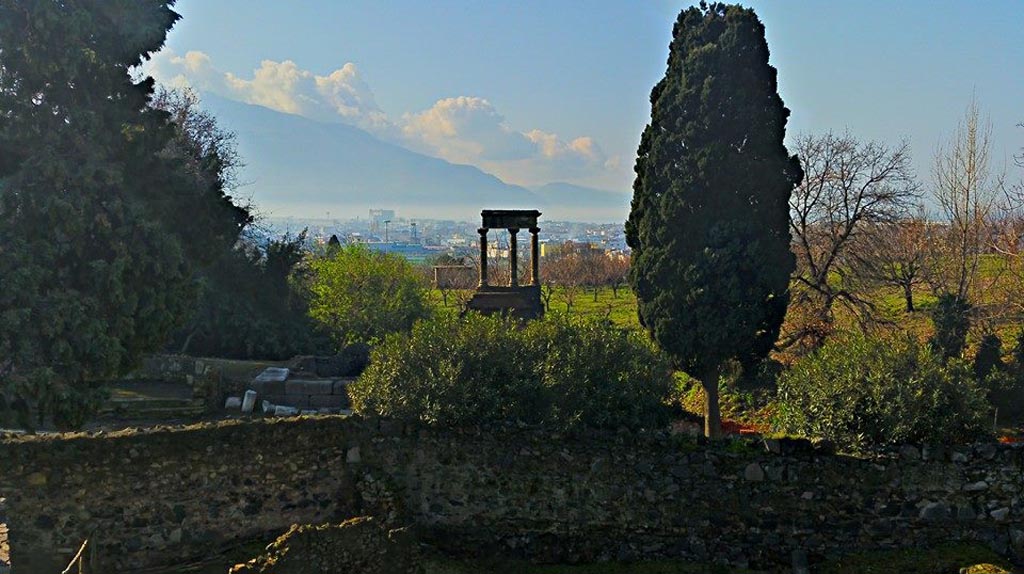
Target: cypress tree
(709, 222)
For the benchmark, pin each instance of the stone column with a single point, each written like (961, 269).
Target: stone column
(534, 257)
(513, 252)
(483, 256)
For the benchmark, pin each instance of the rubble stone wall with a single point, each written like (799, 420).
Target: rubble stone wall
(166, 495)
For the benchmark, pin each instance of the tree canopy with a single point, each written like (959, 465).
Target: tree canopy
(709, 219)
(359, 295)
(100, 228)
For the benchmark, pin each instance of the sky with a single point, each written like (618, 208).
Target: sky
(541, 91)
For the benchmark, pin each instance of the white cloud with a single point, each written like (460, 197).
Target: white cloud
(341, 96)
(470, 130)
(464, 129)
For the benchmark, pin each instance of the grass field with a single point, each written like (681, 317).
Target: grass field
(889, 305)
(619, 308)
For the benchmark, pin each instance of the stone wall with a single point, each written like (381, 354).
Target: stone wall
(166, 495)
(359, 545)
(209, 379)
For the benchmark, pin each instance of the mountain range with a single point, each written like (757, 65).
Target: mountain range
(300, 167)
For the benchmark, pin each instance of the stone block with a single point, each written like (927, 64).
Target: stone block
(340, 387)
(233, 404)
(1000, 514)
(976, 486)
(910, 452)
(249, 401)
(266, 388)
(273, 374)
(799, 560)
(754, 472)
(329, 401)
(300, 401)
(285, 411)
(308, 387)
(275, 399)
(1017, 540)
(934, 511)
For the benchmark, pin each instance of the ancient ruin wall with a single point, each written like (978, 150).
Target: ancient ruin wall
(167, 495)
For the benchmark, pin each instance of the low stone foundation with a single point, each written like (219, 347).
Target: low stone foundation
(163, 496)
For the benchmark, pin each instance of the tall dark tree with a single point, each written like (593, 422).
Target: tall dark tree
(709, 224)
(100, 227)
(250, 304)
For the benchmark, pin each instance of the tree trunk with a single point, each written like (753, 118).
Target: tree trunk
(712, 414)
(908, 295)
(596, 289)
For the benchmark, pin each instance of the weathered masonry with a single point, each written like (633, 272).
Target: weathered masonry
(521, 301)
(166, 495)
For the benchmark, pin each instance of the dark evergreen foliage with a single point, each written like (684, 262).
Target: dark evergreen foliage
(709, 224)
(100, 228)
(952, 321)
(252, 305)
(989, 356)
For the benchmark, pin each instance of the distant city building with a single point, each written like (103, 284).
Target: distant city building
(413, 252)
(426, 238)
(378, 217)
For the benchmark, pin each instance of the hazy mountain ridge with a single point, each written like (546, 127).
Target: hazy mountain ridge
(298, 166)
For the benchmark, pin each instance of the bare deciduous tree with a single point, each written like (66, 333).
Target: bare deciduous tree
(616, 272)
(567, 272)
(894, 254)
(966, 188)
(1008, 241)
(204, 139)
(848, 185)
(1008, 238)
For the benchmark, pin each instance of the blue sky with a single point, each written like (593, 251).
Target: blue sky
(558, 90)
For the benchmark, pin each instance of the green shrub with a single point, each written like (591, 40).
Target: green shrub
(860, 392)
(471, 370)
(1005, 386)
(360, 295)
(952, 321)
(599, 375)
(1018, 349)
(989, 357)
(1005, 391)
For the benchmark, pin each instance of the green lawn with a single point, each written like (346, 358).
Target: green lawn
(620, 308)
